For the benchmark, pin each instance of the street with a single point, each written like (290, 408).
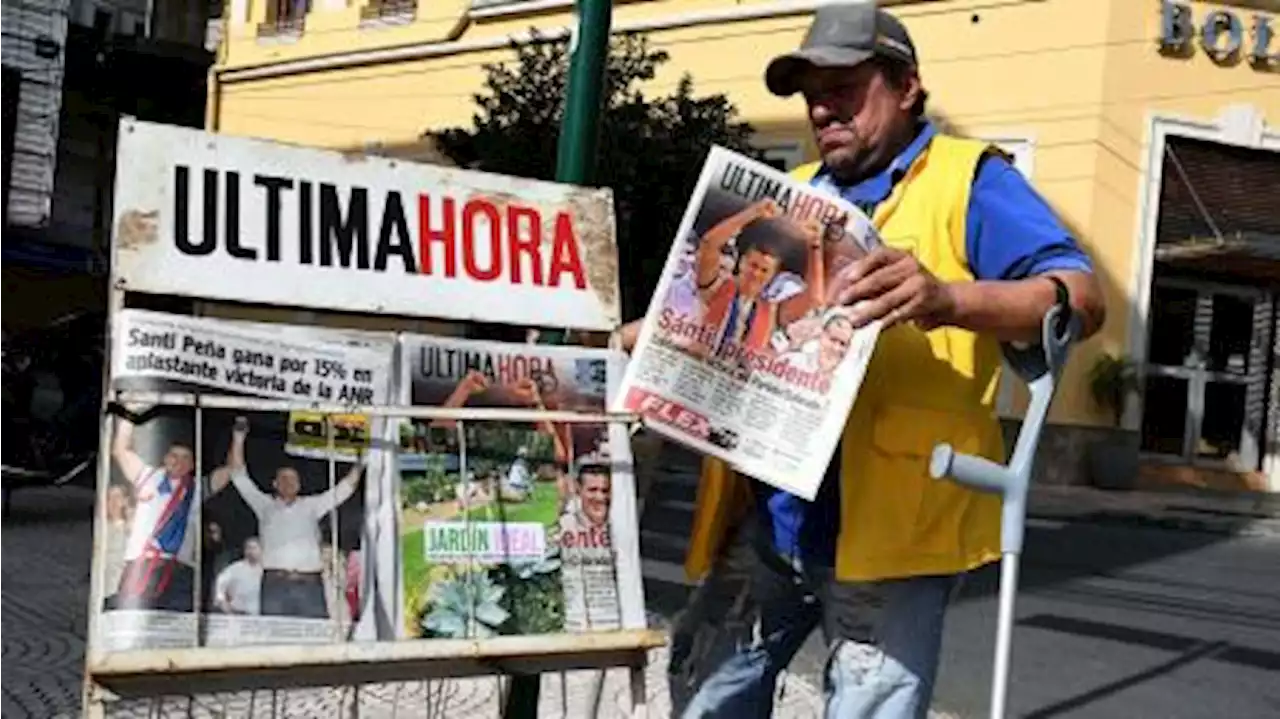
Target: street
(1127, 622)
(1113, 621)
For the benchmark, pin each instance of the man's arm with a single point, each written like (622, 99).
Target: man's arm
(628, 335)
(221, 587)
(473, 383)
(238, 472)
(713, 240)
(1014, 241)
(130, 464)
(814, 294)
(527, 389)
(333, 497)
(218, 480)
(1013, 310)
(222, 476)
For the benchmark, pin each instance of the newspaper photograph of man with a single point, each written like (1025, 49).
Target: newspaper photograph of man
(585, 544)
(288, 535)
(747, 272)
(820, 343)
(482, 519)
(152, 513)
(212, 512)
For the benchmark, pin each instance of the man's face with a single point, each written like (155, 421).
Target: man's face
(856, 115)
(253, 551)
(288, 483)
(595, 495)
(179, 462)
(834, 342)
(117, 502)
(756, 272)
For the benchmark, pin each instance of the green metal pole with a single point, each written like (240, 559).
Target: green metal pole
(580, 125)
(575, 164)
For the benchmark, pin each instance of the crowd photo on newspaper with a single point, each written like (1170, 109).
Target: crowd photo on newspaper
(218, 534)
(509, 527)
(739, 351)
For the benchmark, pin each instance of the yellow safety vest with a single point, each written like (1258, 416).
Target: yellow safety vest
(921, 388)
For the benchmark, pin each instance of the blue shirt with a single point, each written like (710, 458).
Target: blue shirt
(1011, 233)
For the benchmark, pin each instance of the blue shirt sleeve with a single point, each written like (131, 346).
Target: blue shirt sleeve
(1012, 232)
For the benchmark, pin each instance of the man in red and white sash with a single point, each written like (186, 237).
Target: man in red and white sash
(160, 552)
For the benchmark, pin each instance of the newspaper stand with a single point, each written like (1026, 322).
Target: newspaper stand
(154, 674)
(1039, 366)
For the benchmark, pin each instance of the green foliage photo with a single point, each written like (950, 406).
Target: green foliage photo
(651, 148)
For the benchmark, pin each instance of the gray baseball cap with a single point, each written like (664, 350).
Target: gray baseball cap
(843, 34)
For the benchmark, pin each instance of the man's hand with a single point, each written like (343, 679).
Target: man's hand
(765, 209)
(527, 390)
(240, 429)
(475, 382)
(893, 286)
(814, 233)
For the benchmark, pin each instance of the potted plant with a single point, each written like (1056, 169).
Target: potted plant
(1113, 460)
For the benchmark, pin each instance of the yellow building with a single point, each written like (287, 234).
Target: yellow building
(1161, 154)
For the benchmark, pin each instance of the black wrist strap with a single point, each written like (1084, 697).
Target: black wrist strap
(1063, 301)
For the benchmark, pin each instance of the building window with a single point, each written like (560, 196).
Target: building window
(388, 12)
(285, 17)
(12, 93)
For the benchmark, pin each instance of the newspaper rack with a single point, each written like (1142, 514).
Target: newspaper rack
(1039, 366)
(141, 267)
(154, 673)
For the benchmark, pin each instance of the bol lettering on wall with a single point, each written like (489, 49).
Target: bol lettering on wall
(1223, 34)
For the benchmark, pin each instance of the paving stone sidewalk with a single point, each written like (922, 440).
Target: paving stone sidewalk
(45, 582)
(46, 546)
(1251, 514)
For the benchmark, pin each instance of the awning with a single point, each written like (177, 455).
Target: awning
(1254, 255)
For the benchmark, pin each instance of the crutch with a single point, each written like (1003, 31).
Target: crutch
(1039, 366)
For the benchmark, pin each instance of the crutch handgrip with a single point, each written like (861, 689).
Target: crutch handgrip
(977, 472)
(984, 475)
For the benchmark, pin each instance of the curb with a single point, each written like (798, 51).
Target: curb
(1244, 527)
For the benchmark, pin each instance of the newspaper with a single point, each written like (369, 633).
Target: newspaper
(217, 534)
(515, 528)
(740, 355)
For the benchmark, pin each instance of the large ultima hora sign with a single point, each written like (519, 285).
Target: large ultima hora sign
(1224, 34)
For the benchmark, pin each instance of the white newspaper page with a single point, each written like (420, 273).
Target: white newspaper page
(219, 534)
(515, 528)
(740, 356)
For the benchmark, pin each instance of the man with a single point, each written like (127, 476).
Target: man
(973, 257)
(119, 512)
(215, 555)
(289, 530)
(732, 299)
(159, 554)
(519, 480)
(586, 550)
(823, 353)
(682, 295)
(238, 588)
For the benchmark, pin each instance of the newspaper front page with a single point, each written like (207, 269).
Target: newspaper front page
(513, 528)
(217, 533)
(740, 355)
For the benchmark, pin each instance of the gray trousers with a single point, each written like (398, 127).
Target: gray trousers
(705, 633)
